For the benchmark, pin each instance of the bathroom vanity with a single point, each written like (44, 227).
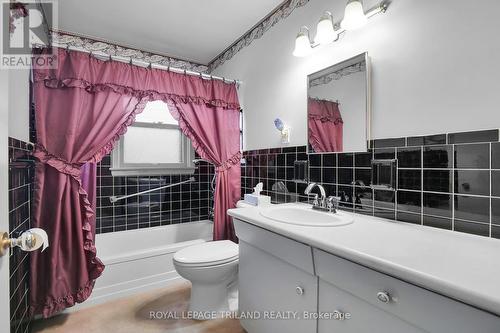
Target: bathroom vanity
(355, 273)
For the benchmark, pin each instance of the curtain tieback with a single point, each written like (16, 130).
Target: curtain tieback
(61, 165)
(233, 160)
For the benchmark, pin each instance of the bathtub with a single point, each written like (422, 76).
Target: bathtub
(140, 260)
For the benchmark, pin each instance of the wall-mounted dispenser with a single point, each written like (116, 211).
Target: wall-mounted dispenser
(284, 130)
(384, 174)
(30, 240)
(300, 173)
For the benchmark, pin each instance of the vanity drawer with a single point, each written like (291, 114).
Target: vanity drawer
(363, 317)
(269, 285)
(293, 252)
(422, 308)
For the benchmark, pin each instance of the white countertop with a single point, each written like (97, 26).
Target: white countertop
(458, 265)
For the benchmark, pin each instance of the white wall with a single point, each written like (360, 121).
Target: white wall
(350, 91)
(434, 69)
(19, 104)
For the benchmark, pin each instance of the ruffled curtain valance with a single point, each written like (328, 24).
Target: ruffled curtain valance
(324, 110)
(80, 70)
(81, 109)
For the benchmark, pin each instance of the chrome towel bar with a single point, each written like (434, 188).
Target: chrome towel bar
(115, 198)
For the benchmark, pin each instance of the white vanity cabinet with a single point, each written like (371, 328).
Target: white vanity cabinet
(276, 282)
(381, 303)
(279, 274)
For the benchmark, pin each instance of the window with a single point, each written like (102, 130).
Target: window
(153, 145)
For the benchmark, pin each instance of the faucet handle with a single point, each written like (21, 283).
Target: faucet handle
(332, 203)
(316, 201)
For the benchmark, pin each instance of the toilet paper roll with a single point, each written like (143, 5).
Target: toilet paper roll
(33, 239)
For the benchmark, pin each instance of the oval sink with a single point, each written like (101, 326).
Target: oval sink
(306, 216)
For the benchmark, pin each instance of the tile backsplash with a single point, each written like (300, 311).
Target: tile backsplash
(21, 173)
(448, 181)
(178, 204)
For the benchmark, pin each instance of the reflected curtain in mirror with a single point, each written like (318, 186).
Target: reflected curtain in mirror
(325, 125)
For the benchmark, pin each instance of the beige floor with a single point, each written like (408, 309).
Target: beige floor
(132, 314)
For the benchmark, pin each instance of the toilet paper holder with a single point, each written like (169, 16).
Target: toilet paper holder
(28, 241)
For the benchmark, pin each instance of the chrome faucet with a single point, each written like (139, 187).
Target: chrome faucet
(322, 203)
(316, 202)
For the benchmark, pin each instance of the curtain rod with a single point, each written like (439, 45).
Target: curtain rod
(130, 60)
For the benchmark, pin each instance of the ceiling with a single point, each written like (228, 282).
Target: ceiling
(195, 30)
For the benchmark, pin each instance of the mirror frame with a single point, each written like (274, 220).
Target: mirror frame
(362, 56)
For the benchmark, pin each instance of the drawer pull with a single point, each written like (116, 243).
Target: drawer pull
(299, 290)
(384, 297)
(338, 315)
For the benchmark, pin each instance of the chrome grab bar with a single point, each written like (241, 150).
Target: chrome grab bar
(115, 198)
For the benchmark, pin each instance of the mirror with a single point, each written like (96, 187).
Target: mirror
(338, 107)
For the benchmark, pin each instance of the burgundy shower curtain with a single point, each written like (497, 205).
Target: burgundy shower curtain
(215, 135)
(81, 109)
(325, 126)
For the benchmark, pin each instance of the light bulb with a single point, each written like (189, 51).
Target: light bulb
(354, 16)
(302, 45)
(325, 32)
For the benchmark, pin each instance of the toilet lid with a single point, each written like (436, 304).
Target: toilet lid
(209, 253)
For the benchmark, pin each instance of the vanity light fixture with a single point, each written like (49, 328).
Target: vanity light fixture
(328, 32)
(354, 16)
(325, 30)
(302, 43)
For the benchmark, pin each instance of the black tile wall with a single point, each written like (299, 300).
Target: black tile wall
(437, 204)
(438, 157)
(395, 142)
(444, 181)
(437, 180)
(409, 201)
(477, 136)
(472, 156)
(409, 157)
(428, 140)
(21, 174)
(410, 179)
(185, 203)
(495, 155)
(495, 183)
(475, 182)
(437, 222)
(495, 211)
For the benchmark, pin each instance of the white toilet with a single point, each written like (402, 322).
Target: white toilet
(211, 267)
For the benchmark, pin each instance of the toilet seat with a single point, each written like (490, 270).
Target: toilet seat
(208, 254)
